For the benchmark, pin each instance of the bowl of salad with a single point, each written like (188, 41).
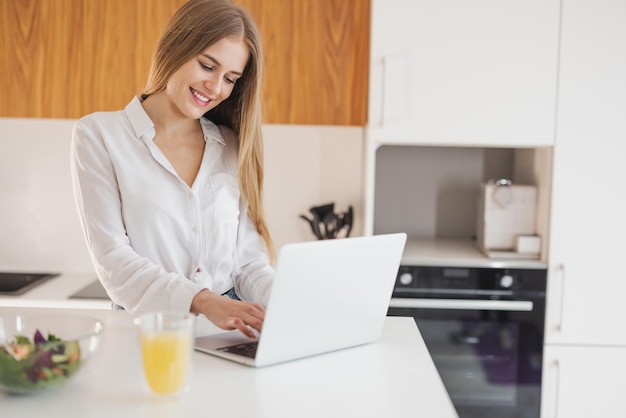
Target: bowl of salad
(39, 352)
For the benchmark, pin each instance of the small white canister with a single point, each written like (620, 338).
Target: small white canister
(506, 211)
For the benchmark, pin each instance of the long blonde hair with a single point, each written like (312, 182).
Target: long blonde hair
(193, 28)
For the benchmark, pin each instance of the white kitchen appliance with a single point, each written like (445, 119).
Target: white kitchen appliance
(506, 211)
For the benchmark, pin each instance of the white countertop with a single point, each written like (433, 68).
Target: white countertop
(56, 292)
(394, 377)
(457, 253)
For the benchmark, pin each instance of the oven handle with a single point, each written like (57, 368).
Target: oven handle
(483, 305)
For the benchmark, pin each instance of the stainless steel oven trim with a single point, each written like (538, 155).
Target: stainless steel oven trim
(488, 305)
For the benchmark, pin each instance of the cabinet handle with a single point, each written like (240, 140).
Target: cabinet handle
(557, 378)
(384, 91)
(396, 83)
(559, 323)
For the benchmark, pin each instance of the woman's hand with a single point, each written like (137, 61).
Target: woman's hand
(229, 314)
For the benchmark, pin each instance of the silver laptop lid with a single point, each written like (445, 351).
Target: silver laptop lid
(329, 295)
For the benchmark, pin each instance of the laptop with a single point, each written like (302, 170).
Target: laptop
(327, 295)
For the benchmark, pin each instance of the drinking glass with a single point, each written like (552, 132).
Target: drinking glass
(166, 347)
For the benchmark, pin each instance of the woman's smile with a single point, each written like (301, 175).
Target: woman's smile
(200, 98)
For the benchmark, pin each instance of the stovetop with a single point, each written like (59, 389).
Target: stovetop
(93, 290)
(17, 283)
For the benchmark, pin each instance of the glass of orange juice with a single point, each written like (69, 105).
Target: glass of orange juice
(166, 347)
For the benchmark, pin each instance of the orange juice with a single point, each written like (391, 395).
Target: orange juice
(166, 357)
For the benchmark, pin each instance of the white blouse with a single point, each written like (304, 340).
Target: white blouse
(154, 241)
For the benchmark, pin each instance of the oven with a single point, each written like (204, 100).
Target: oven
(484, 328)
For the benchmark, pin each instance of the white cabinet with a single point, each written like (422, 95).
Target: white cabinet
(585, 360)
(583, 382)
(588, 220)
(458, 72)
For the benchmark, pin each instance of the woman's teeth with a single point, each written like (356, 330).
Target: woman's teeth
(200, 96)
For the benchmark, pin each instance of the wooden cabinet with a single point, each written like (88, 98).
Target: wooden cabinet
(316, 56)
(63, 59)
(453, 72)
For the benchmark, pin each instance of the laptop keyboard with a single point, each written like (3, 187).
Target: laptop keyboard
(245, 349)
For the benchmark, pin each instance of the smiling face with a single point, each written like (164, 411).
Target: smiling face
(205, 81)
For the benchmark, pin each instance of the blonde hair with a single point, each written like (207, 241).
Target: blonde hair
(193, 28)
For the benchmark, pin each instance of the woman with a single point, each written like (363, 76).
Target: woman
(169, 190)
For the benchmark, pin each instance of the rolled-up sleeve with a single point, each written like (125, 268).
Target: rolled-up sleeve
(252, 274)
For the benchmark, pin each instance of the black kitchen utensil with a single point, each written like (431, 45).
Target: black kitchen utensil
(326, 224)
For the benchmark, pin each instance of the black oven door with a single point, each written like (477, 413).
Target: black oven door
(488, 352)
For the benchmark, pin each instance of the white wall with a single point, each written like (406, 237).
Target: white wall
(307, 166)
(39, 228)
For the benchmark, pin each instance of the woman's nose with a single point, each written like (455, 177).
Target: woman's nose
(214, 85)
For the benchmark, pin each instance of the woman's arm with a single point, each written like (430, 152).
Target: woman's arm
(132, 281)
(252, 273)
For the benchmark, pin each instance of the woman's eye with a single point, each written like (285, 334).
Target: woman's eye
(229, 80)
(206, 67)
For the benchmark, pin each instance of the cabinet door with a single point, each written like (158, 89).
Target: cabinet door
(588, 221)
(453, 72)
(583, 382)
(64, 59)
(316, 56)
